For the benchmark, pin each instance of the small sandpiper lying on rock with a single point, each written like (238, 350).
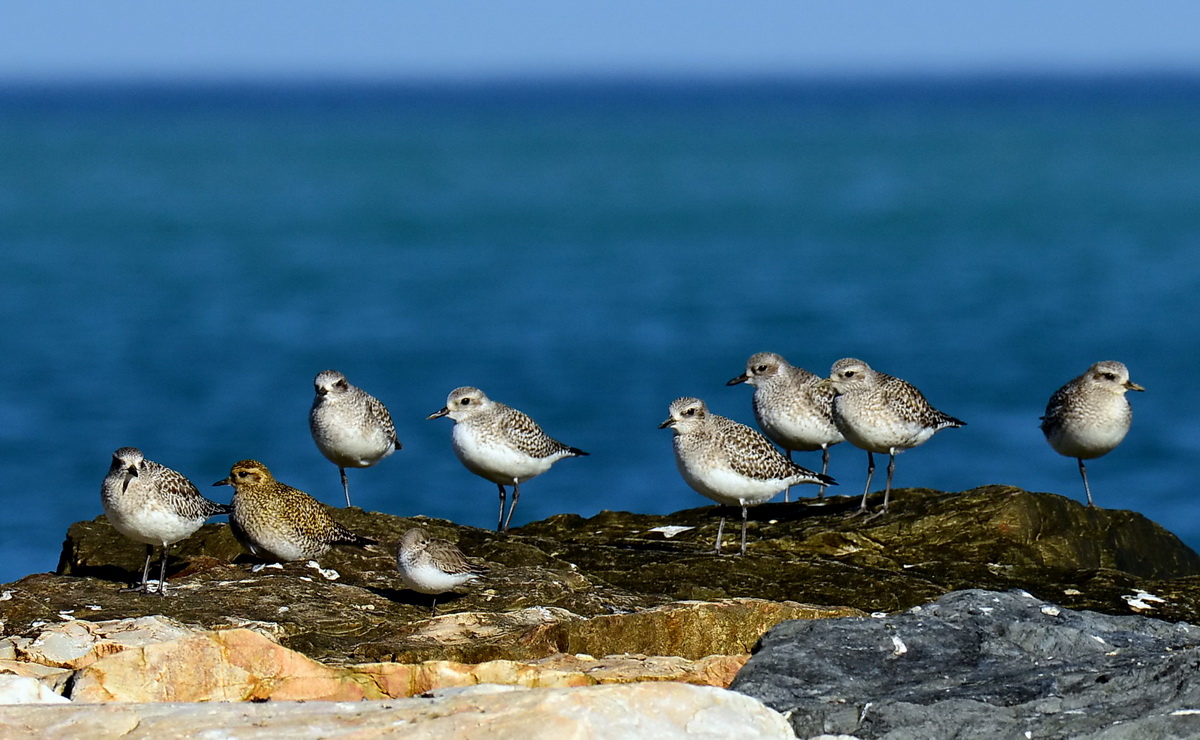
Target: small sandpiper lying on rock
(878, 413)
(154, 505)
(350, 426)
(729, 462)
(792, 407)
(1089, 416)
(499, 443)
(432, 566)
(274, 520)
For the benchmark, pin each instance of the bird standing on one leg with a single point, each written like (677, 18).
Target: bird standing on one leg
(499, 443)
(350, 426)
(879, 413)
(1089, 416)
(154, 505)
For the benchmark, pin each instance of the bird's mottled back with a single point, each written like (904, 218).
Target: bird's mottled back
(283, 521)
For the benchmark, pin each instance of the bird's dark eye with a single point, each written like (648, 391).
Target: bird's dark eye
(848, 374)
(242, 474)
(1110, 376)
(690, 412)
(343, 384)
(761, 369)
(465, 402)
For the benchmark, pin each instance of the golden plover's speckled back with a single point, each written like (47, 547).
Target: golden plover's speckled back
(274, 520)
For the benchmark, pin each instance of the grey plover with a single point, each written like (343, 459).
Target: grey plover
(432, 566)
(153, 505)
(879, 413)
(792, 406)
(1089, 416)
(350, 426)
(499, 443)
(729, 462)
(273, 520)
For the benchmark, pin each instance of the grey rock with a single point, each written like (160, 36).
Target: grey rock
(981, 664)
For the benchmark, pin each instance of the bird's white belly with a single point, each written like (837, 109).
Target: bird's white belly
(428, 579)
(150, 525)
(802, 433)
(497, 462)
(727, 487)
(355, 448)
(879, 432)
(1089, 442)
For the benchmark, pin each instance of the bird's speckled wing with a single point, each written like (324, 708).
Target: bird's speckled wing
(750, 454)
(449, 558)
(183, 493)
(380, 413)
(525, 435)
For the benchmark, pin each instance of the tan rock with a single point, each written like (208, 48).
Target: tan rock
(690, 629)
(227, 665)
(557, 671)
(647, 710)
(78, 643)
(54, 679)
(239, 664)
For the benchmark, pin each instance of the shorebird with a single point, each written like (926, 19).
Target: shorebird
(275, 520)
(879, 413)
(154, 505)
(1089, 416)
(729, 462)
(432, 566)
(792, 407)
(350, 426)
(500, 444)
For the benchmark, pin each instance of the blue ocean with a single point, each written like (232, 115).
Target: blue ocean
(179, 262)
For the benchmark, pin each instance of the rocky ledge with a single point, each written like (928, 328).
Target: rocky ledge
(567, 602)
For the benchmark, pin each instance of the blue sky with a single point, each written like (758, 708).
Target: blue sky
(55, 39)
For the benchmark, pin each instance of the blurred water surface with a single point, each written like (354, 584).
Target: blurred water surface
(178, 263)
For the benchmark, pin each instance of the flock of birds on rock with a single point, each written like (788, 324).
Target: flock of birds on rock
(728, 462)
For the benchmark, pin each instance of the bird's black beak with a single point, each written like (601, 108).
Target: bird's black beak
(225, 482)
(739, 379)
(439, 413)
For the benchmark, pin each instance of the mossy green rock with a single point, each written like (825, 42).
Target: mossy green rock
(615, 563)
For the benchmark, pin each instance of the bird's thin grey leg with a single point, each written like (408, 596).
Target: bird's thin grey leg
(142, 587)
(162, 573)
(824, 468)
(887, 491)
(1086, 487)
(512, 506)
(345, 485)
(867, 489)
(787, 492)
(433, 606)
(745, 510)
(500, 521)
(720, 529)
